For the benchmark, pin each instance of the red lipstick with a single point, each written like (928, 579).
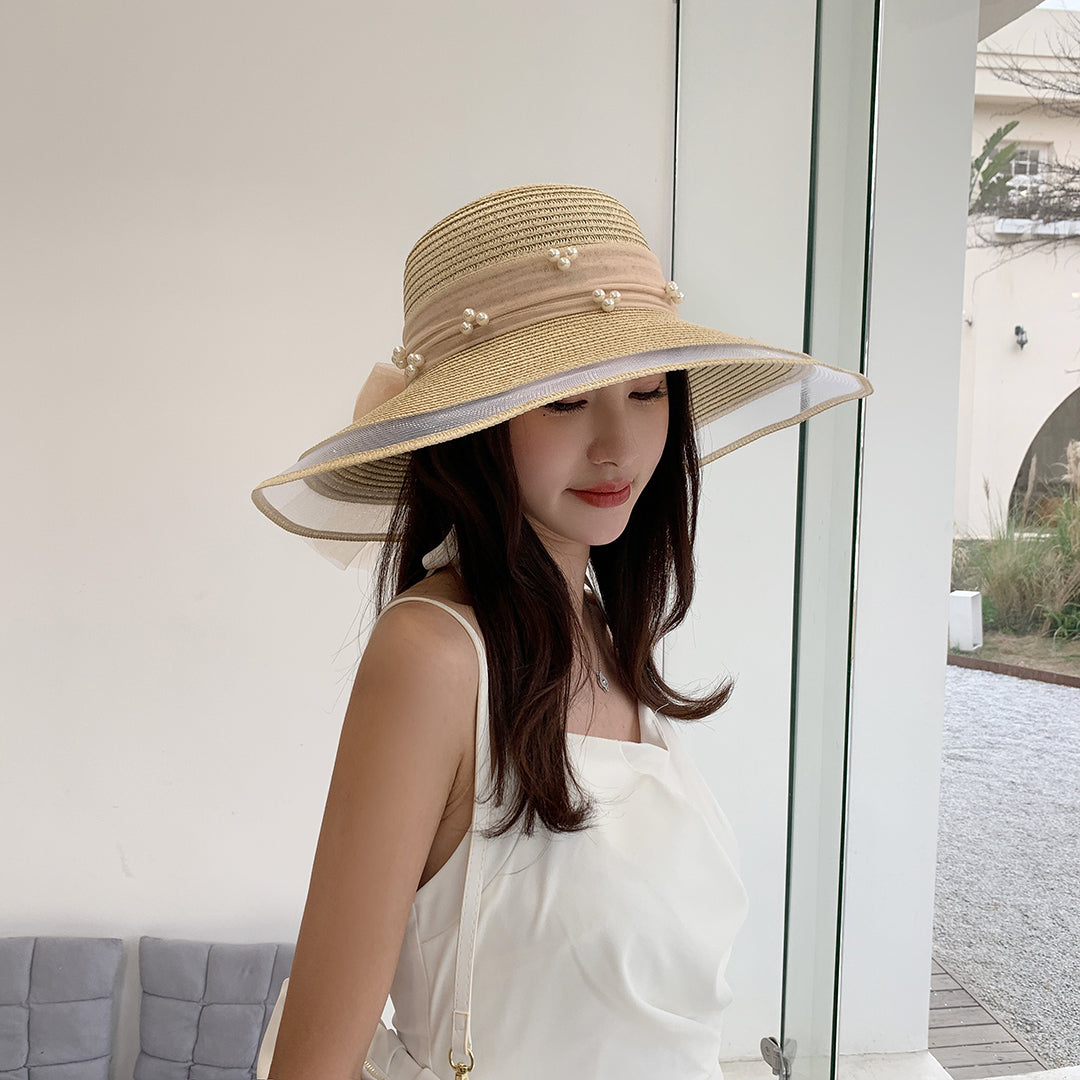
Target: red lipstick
(603, 494)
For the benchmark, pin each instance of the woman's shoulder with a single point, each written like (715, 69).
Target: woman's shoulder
(419, 661)
(425, 630)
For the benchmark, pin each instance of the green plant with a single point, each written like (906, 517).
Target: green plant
(987, 185)
(1029, 578)
(1064, 623)
(1064, 523)
(1009, 568)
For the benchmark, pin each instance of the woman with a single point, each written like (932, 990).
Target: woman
(515, 844)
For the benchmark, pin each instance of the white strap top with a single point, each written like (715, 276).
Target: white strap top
(599, 953)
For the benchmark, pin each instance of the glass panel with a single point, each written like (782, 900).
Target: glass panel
(790, 267)
(746, 75)
(827, 531)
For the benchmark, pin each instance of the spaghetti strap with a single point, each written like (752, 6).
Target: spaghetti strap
(483, 814)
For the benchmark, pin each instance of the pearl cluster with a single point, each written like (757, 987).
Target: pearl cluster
(410, 363)
(472, 318)
(606, 300)
(674, 293)
(562, 257)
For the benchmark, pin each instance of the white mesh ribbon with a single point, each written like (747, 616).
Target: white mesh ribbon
(767, 397)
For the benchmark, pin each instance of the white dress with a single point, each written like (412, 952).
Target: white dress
(599, 954)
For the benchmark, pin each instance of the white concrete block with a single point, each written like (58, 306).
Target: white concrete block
(965, 620)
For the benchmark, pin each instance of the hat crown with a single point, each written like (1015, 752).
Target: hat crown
(509, 223)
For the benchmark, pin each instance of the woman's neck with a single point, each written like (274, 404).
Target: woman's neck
(571, 558)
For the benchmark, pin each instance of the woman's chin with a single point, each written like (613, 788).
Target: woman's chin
(588, 535)
(606, 532)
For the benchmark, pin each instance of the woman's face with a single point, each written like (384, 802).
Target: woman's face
(583, 462)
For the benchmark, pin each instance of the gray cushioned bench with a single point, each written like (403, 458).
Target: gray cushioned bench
(56, 1007)
(205, 1006)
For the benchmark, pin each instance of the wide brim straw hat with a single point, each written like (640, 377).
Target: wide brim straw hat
(521, 298)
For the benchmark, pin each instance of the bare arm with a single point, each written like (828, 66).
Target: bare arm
(412, 704)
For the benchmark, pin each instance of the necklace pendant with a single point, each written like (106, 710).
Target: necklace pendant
(602, 681)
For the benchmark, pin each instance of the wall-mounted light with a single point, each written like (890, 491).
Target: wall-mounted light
(1021, 336)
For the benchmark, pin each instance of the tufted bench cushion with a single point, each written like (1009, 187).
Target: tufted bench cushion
(205, 1006)
(56, 1007)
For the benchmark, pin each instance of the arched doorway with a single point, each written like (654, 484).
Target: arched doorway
(1047, 450)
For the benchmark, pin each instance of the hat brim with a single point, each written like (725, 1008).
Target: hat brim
(741, 389)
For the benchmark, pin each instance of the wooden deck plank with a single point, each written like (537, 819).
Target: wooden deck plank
(1011, 1068)
(961, 1017)
(951, 999)
(979, 1035)
(959, 1056)
(967, 1041)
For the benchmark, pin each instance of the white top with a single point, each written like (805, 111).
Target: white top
(600, 953)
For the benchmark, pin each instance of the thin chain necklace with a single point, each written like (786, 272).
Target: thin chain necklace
(601, 679)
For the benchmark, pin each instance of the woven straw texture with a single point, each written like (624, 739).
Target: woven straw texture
(510, 223)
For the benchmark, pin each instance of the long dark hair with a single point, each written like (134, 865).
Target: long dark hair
(645, 581)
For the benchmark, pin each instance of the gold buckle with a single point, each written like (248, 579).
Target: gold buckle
(461, 1071)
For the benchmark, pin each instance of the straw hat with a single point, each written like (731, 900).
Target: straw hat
(521, 298)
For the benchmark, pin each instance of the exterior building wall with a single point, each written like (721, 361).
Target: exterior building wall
(1007, 393)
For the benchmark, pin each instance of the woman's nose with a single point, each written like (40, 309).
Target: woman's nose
(613, 439)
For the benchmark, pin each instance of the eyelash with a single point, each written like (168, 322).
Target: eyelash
(573, 406)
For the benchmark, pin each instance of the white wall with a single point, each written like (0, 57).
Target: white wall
(205, 216)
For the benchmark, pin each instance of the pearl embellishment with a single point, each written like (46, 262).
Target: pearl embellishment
(410, 363)
(562, 257)
(606, 300)
(472, 318)
(674, 293)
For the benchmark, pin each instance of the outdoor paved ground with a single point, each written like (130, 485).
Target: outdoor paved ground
(1007, 908)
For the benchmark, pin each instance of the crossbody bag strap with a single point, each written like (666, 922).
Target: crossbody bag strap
(461, 1057)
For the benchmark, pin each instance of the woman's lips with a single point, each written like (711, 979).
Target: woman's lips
(602, 495)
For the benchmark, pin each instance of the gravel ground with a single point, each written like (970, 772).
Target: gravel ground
(1007, 906)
